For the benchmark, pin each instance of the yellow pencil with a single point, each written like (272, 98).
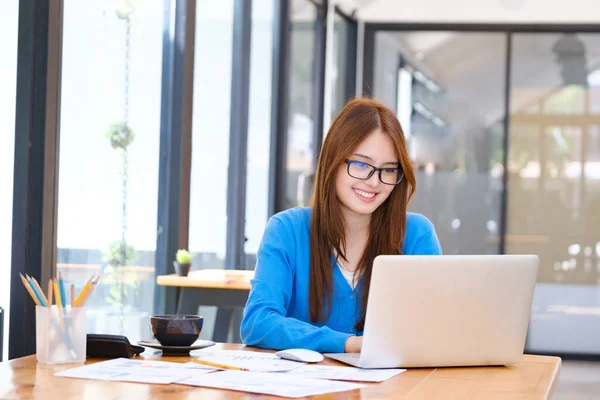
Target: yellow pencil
(82, 294)
(90, 291)
(58, 304)
(30, 291)
(218, 365)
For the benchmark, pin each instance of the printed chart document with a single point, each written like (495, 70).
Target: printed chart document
(250, 360)
(276, 384)
(345, 373)
(141, 371)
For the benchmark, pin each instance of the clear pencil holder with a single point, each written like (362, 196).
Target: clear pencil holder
(60, 335)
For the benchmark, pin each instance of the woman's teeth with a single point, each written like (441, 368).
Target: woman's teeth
(364, 194)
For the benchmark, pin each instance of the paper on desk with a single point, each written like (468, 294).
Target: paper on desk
(346, 373)
(141, 371)
(277, 384)
(251, 360)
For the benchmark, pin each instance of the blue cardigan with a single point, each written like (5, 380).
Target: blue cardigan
(276, 315)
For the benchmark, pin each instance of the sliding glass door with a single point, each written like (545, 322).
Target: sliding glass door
(554, 184)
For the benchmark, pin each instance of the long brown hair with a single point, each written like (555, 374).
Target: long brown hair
(359, 118)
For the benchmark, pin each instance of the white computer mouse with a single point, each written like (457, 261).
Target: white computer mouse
(302, 355)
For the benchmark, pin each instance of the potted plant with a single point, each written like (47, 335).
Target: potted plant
(183, 262)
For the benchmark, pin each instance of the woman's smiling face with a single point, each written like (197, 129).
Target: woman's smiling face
(365, 196)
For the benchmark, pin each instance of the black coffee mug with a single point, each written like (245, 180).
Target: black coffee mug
(176, 330)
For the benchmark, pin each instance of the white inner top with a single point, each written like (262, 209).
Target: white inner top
(349, 276)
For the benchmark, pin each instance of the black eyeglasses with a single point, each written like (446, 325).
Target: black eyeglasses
(362, 170)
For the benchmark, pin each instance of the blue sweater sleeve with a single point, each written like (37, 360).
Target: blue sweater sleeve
(265, 323)
(425, 240)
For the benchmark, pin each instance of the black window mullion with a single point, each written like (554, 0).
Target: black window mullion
(279, 106)
(351, 28)
(35, 164)
(175, 138)
(318, 88)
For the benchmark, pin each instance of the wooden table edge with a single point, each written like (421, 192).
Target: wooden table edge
(555, 376)
(174, 281)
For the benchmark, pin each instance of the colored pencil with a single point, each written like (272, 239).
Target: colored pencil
(58, 304)
(37, 294)
(39, 289)
(30, 291)
(81, 294)
(61, 287)
(50, 291)
(90, 291)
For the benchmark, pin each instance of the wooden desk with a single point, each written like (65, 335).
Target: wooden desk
(534, 378)
(209, 279)
(226, 289)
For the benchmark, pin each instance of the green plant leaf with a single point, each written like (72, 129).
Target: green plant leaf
(183, 256)
(120, 135)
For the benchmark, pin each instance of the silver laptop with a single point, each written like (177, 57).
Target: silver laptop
(452, 310)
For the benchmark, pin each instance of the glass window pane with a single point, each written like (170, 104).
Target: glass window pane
(449, 95)
(9, 19)
(259, 126)
(210, 133)
(108, 178)
(554, 184)
(210, 140)
(340, 67)
(300, 134)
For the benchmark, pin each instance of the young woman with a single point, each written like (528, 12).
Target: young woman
(313, 268)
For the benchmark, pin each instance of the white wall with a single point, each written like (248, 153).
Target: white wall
(477, 11)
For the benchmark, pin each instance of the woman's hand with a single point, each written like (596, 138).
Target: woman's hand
(353, 344)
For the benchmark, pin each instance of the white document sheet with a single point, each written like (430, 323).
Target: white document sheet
(141, 371)
(276, 384)
(250, 360)
(345, 373)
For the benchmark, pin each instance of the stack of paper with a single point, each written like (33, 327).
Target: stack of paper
(267, 373)
(276, 384)
(141, 371)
